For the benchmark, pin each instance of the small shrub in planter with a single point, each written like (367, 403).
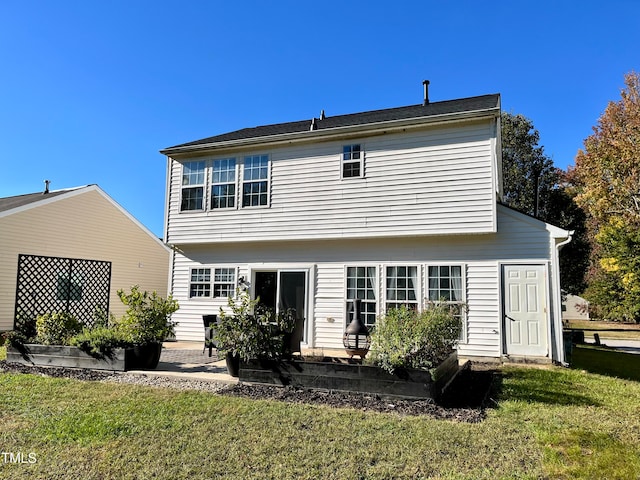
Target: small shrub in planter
(56, 328)
(404, 338)
(100, 341)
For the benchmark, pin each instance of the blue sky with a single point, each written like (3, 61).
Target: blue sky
(91, 91)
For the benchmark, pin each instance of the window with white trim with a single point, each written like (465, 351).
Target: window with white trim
(193, 177)
(402, 287)
(224, 282)
(352, 161)
(362, 284)
(446, 284)
(255, 181)
(223, 188)
(200, 284)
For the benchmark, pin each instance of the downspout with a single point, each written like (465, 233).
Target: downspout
(557, 307)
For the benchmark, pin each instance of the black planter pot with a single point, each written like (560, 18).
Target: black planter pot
(144, 357)
(233, 364)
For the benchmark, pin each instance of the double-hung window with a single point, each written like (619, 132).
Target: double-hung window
(402, 287)
(255, 181)
(200, 285)
(446, 284)
(223, 189)
(352, 156)
(362, 284)
(193, 176)
(222, 283)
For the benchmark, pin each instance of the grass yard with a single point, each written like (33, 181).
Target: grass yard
(613, 330)
(549, 423)
(606, 362)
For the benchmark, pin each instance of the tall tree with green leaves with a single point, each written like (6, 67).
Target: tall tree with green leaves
(607, 178)
(533, 185)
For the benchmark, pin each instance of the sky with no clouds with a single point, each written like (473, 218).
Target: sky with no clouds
(91, 91)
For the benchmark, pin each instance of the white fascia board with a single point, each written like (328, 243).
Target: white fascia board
(336, 132)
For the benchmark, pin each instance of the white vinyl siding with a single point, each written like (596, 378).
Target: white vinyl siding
(437, 181)
(519, 240)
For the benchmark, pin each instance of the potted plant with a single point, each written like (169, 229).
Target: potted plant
(252, 332)
(146, 324)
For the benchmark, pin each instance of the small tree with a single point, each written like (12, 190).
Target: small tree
(148, 316)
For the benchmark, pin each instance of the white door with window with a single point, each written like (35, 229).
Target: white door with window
(525, 310)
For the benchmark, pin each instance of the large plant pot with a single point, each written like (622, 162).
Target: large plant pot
(144, 357)
(233, 364)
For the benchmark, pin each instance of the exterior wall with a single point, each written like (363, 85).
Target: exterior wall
(88, 226)
(518, 240)
(575, 308)
(439, 180)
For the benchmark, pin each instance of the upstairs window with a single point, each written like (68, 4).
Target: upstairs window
(352, 156)
(223, 189)
(255, 181)
(192, 186)
(402, 287)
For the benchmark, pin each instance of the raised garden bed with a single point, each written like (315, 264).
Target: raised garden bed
(120, 359)
(344, 375)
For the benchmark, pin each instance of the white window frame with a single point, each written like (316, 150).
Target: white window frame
(202, 186)
(205, 284)
(376, 292)
(417, 286)
(244, 181)
(210, 284)
(359, 161)
(463, 302)
(234, 182)
(233, 283)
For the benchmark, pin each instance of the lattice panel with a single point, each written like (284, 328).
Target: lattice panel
(55, 284)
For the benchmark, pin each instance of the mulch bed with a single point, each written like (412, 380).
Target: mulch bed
(466, 399)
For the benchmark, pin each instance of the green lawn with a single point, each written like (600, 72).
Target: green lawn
(606, 362)
(549, 423)
(614, 330)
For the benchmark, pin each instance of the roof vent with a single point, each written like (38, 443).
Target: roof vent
(322, 117)
(426, 92)
(46, 186)
(314, 125)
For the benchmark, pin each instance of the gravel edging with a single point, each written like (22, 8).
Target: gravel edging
(471, 410)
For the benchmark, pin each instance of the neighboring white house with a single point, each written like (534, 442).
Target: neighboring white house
(575, 308)
(394, 206)
(77, 223)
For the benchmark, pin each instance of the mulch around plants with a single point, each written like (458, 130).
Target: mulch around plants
(465, 400)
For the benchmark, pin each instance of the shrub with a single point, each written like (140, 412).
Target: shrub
(407, 339)
(147, 319)
(100, 341)
(56, 328)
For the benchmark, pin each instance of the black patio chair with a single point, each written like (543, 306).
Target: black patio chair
(210, 323)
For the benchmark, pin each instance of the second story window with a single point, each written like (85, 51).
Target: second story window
(192, 186)
(352, 156)
(255, 181)
(223, 189)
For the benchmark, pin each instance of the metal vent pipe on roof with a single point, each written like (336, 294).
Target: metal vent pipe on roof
(426, 92)
(46, 186)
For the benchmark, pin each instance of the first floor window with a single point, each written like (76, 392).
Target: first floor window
(361, 284)
(402, 287)
(255, 181)
(69, 288)
(446, 285)
(200, 285)
(224, 282)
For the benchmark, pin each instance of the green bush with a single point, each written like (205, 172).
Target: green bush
(100, 341)
(147, 319)
(407, 339)
(56, 328)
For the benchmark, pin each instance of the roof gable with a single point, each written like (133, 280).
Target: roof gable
(18, 201)
(425, 111)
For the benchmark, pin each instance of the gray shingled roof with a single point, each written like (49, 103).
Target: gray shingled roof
(8, 203)
(462, 105)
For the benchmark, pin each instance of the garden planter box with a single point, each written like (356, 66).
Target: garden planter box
(72, 357)
(342, 375)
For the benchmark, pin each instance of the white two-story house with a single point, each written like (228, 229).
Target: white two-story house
(394, 207)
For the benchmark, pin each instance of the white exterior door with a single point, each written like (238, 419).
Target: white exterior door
(525, 310)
